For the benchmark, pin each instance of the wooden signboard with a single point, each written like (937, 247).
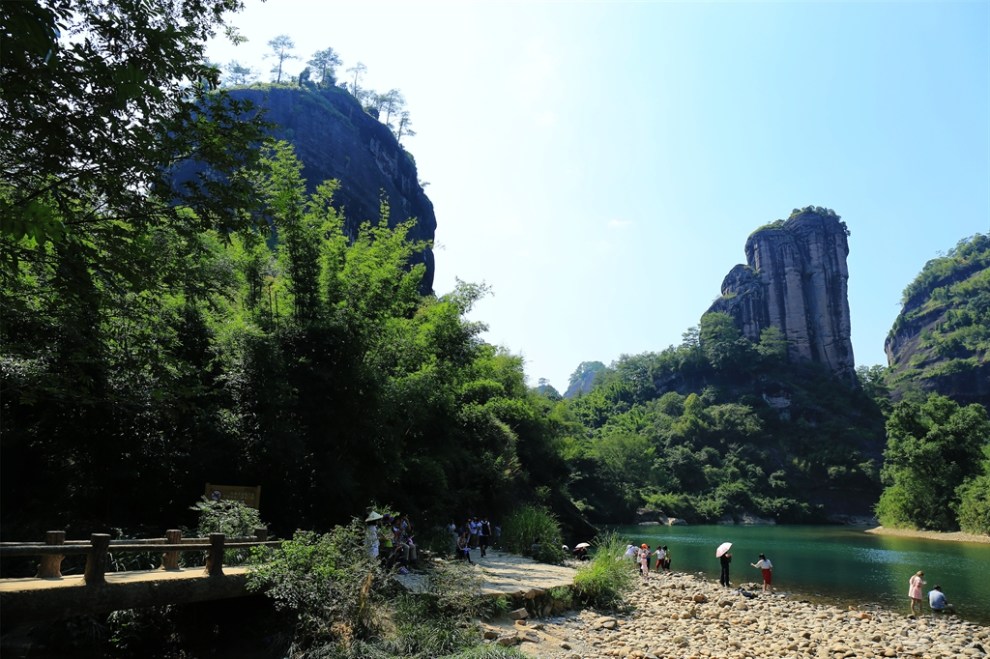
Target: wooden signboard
(249, 495)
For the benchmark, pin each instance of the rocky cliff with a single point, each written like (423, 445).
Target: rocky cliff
(336, 139)
(940, 342)
(795, 278)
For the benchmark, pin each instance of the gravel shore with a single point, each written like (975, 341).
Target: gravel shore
(689, 616)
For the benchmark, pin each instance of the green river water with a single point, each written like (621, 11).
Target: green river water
(836, 563)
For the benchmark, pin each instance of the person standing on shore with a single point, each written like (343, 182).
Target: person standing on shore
(766, 567)
(725, 559)
(914, 591)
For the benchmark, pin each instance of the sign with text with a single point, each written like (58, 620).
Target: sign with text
(249, 495)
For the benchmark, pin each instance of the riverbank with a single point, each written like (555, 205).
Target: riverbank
(957, 536)
(685, 616)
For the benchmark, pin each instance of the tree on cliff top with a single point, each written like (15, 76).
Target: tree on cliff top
(282, 47)
(326, 62)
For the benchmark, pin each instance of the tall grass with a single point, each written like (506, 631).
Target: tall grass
(533, 531)
(604, 582)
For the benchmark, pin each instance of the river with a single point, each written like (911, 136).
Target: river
(842, 564)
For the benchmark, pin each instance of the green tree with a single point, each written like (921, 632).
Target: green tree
(282, 47)
(357, 71)
(722, 343)
(974, 499)
(932, 449)
(404, 127)
(391, 103)
(238, 75)
(139, 89)
(325, 62)
(773, 345)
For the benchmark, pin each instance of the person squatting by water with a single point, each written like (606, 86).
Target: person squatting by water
(766, 567)
(937, 601)
(914, 591)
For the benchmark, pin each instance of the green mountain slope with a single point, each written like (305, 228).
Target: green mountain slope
(940, 342)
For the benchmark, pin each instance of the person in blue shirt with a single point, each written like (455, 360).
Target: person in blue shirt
(937, 601)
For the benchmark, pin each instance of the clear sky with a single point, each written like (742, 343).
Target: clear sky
(600, 165)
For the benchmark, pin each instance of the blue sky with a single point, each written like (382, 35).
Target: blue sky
(600, 165)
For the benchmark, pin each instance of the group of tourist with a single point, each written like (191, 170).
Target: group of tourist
(389, 538)
(475, 533)
(643, 557)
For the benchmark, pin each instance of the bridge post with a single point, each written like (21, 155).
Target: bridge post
(96, 561)
(214, 560)
(170, 559)
(50, 567)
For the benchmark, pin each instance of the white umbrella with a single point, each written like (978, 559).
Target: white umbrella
(581, 545)
(722, 548)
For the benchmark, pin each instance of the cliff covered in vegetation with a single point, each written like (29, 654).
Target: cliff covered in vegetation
(940, 342)
(336, 138)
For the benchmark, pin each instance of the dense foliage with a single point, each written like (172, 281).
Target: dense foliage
(933, 463)
(947, 309)
(312, 367)
(344, 604)
(719, 427)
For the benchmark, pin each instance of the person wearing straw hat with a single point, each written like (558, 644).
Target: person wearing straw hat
(371, 538)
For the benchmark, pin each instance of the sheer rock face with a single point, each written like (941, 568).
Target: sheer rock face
(335, 138)
(796, 280)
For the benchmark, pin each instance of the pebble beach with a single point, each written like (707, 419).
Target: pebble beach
(689, 616)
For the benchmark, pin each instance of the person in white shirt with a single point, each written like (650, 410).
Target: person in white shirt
(661, 556)
(766, 567)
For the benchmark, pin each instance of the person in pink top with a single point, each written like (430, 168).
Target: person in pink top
(914, 591)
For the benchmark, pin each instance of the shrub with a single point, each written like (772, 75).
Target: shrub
(329, 582)
(226, 516)
(974, 506)
(605, 581)
(533, 531)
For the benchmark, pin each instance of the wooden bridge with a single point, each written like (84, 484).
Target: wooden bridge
(50, 595)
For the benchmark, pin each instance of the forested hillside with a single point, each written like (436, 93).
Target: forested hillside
(242, 329)
(239, 331)
(719, 428)
(940, 341)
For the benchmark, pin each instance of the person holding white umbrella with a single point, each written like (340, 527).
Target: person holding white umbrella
(724, 557)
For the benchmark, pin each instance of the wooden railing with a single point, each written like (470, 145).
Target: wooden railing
(99, 546)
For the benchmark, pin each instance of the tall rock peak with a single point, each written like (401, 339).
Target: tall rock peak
(795, 278)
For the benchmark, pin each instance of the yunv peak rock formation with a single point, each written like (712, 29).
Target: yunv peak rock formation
(795, 279)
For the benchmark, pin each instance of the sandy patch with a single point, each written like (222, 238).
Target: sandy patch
(957, 536)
